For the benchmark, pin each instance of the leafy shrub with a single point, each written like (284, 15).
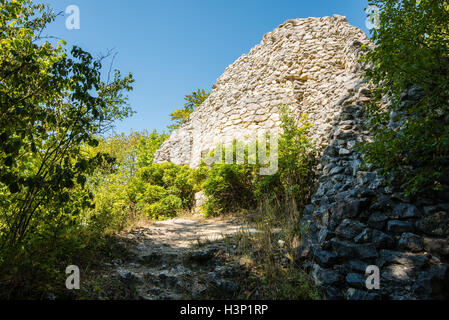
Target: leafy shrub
(295, 178)
(228, 188)
(147, 146)
(412, 50)
(112, 208)
(151, 195)
(281, 198)
(180, 181)
(176, 180)
(123, 191)
(152, 174)
(167, 207)
(278, 235)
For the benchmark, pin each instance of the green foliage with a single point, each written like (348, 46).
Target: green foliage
(132, 186)
(51, 106)
(109, 182)
(54, 105)
(152, 194)
(229, 188)
(295, 179)
(193, 101)
(412, 49)
(232, 187)
(276, 273)
(148, 146)
(167, 207)
(176, 181)
(280, 199)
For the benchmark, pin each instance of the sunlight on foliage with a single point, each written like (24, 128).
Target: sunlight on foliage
(411, 52)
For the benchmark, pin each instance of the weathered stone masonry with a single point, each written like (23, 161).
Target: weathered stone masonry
(355, 219)
(307, 63)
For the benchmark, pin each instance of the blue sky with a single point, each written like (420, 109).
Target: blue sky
(174, 47)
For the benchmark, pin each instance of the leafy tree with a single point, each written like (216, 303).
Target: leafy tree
(52, 103)
(123, 151)
(148, 145)
(411, 51)
(129, 151)
(193, 101)
(121, 187)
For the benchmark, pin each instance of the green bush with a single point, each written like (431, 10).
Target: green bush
(412, 50)
(176, 180)
(116, 186)
(167, 207)
(152, 174)
(151, 195)
(180, 181)
(295, 178)
(228, 188)
(232, 187)
(112, 208)
(148, 144)
(126, 189)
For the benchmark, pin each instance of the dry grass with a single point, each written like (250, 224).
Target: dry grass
(270, 255)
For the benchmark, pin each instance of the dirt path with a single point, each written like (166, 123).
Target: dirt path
(183, 258)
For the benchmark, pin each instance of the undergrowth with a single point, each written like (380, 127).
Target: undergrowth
(269, 252)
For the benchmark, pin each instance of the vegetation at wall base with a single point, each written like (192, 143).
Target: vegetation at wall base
(410, 131)
(274, 205)
(270, 255)
(234, 187)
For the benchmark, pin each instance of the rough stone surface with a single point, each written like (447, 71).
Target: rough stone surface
(356, 280)
(167, 262)
(406, 239)
(398, 227)
(349, 229)
(411, 242)
(310, 64)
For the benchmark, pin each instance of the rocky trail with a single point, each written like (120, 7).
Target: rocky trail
(179, 259)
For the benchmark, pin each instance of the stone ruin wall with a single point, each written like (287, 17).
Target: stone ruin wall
(309, 64)
(354, 219)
